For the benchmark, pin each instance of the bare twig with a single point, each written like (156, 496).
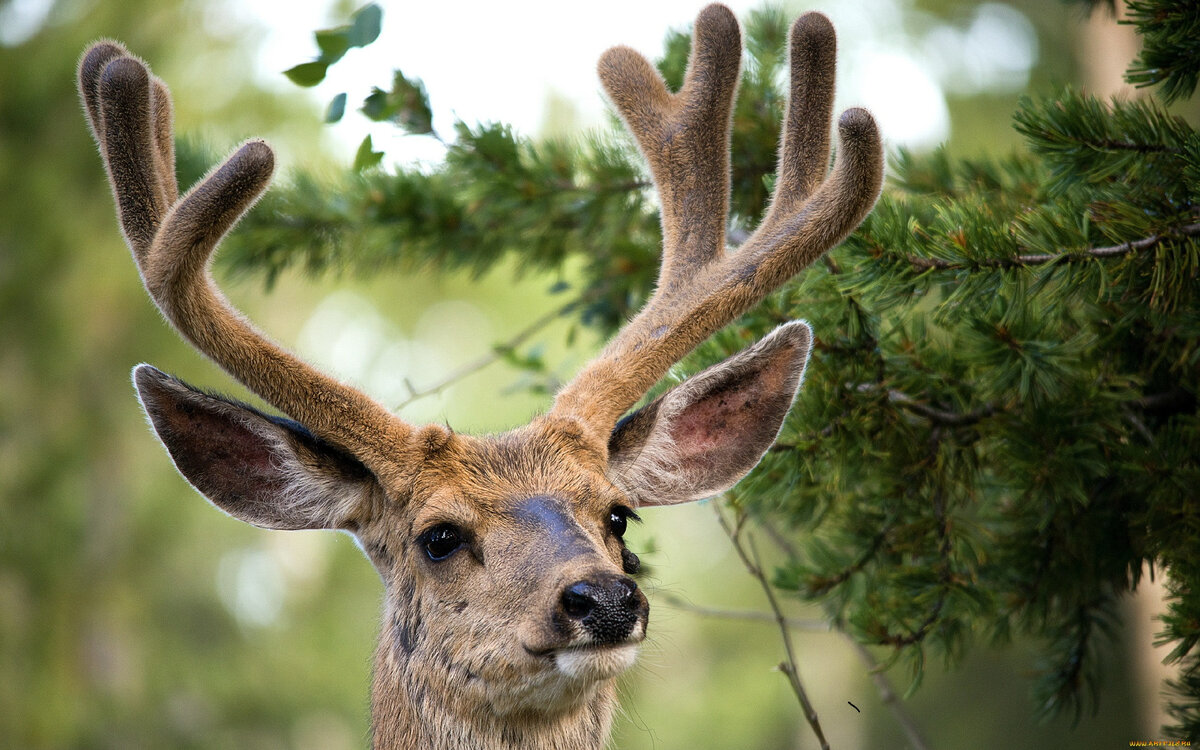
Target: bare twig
(888, 696)
(887, 693)
(809, 625)
(1070, 256)
(941, 416)
(790, 670)
(932, 413)
(415, 394)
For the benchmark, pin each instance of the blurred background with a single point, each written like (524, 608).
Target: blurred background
(133, 614)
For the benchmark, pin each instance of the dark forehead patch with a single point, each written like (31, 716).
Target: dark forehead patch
(550, 518)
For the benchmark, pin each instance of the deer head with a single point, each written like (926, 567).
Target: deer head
(509, 606)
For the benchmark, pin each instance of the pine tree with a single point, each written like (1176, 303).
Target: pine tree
(999, 430)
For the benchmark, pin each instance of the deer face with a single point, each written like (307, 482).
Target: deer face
(507, 573)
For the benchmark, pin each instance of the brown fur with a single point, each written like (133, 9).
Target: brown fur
(511, 634)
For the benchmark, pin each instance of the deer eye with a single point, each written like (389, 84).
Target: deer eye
(441, 541)
(618, 520)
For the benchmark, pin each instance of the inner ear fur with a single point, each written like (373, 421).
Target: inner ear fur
(699, 438)
(267, 471)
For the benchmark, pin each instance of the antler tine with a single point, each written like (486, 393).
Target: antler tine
(164, 139)
(120, 101)
(789, 240)
(684, 137)
(804, 148)
(173, 238)
(701, 287)
(801, 225)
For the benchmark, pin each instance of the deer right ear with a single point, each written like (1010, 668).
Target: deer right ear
(266, 471)
(699, 438)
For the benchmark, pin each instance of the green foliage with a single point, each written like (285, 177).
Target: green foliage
(336, 109)
(1170, 32)
(406, 105)
(307, 74)
(1170, 55)
(366, 156)
(494, 198)
(992, 428)
(998, 429)
(363, 29)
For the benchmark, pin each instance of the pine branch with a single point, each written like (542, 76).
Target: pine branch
(944, 573)
(1170, 51)
(1066, 256)
(822, 584)
(1087, 141)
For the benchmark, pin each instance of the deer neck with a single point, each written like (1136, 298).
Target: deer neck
(421, 699)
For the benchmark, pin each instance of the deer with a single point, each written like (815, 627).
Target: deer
(510, 606)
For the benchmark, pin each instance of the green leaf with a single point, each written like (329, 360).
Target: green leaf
(336, 108)
(365, 26)
(333, 44)
(407, 105)
(376, 105)
(307, 74)
(533, 361)
(367, 156)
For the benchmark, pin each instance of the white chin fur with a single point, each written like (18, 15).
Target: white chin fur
(596, 663)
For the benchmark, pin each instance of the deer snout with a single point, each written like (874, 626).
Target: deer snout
(608, 608)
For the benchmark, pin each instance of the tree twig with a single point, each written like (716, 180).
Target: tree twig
(415, 394)
(752, 563)
(1070, 256)
(808, 625)
(887, 693)
(941, 416)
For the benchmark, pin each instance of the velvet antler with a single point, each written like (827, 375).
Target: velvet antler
(172, 239)
(685, 138)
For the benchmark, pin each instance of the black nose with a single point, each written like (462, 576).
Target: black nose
(608, 607)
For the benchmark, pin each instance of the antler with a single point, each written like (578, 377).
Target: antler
(685, 138)
(172, 239)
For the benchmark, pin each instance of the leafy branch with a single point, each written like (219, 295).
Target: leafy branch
(363, 29)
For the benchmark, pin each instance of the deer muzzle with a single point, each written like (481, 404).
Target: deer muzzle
(608, 608)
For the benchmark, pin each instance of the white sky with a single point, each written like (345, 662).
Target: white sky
(500, 61)
(486, 60)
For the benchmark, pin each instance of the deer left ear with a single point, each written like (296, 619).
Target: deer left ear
(266, 471)
(701, 437)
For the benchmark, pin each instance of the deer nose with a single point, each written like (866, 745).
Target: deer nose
(607, 608)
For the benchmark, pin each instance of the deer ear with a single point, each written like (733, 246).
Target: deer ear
(699, 438)
(267, 471)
